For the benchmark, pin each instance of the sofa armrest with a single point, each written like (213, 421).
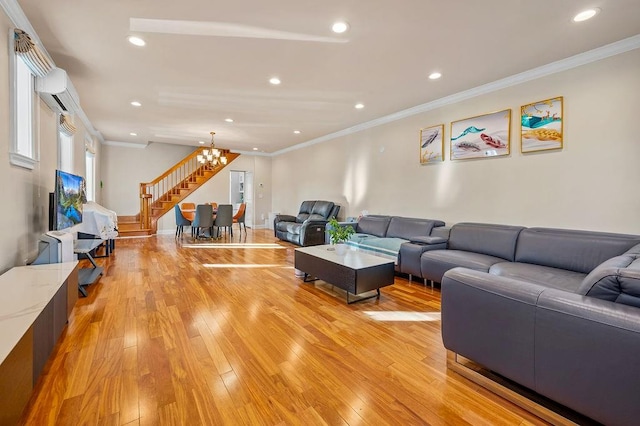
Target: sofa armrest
(587, 355)
(312, 232)
(411, 253)
(490, 319)
(281, 218)
(284, 218)
(428, 240)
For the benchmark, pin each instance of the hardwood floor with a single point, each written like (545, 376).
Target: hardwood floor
(212, 333)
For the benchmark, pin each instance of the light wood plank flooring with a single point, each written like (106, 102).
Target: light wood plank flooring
(212, 333)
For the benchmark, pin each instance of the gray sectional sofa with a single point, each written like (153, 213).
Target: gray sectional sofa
(385, 235)
(556, 311)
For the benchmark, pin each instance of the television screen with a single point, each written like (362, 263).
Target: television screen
(69, 197)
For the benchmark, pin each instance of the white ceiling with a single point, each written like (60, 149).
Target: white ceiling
(207, 60)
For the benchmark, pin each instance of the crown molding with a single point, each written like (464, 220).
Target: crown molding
(580, 59)
(87, 124)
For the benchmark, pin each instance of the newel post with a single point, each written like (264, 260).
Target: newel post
(145, 201)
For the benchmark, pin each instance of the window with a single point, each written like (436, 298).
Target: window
(65, 152)
(90, 175)
(23, 151)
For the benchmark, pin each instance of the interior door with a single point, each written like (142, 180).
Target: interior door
(248, 198)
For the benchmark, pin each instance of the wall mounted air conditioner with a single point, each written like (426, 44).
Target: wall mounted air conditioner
(57, 91)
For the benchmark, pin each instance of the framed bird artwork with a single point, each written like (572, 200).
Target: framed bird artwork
(432, 144)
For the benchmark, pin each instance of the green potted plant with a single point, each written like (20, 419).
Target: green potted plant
(339, 234)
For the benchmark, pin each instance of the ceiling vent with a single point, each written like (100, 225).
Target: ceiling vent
(56, 90)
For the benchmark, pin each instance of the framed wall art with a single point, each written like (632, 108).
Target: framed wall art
(432, 144)
(541, 125)
(486, 135)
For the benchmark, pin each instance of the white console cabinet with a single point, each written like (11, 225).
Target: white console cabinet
(35, 306)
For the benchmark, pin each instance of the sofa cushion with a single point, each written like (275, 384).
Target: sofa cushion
(406, 228)
(542, 275)
(321, 210)
(579, 251)
(616, 280)
(387, 246)
(305, 210)
(489, 239)
(289, 227)
(373, 225)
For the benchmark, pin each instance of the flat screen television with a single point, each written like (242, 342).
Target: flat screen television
(65, 208)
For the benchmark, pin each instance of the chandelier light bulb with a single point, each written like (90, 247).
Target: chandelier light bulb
(212, 156)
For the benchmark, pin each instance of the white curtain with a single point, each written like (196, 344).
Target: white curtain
(35, 59)
(66, 125)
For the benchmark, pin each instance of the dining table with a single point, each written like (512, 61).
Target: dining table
(190, 214)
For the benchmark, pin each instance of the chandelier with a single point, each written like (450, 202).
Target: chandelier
(212, 156)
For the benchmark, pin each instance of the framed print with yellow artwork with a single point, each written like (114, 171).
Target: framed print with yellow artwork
(541, 125)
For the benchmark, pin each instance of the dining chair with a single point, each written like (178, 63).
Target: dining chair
(224, 219)
(188, 210)
(239, 217)
(203, 219)
(181, 221)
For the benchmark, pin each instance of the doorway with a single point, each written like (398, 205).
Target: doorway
(241, 191)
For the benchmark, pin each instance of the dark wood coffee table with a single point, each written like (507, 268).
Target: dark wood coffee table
(355, 272)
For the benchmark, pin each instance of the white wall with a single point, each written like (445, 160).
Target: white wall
(124, 168)
(590, 184)
(26, 192)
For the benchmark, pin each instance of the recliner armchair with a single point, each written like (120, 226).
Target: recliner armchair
(307, 228)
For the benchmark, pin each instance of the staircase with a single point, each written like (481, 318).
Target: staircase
(164, 192)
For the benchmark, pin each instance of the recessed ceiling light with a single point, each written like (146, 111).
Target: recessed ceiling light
(255, 149)
(274, 80)
(339, 27)
(136, 41)
(586, 14)
(229, 120)
(201, 142)
(359, 106)
(136, 104)
(297, 132)
(133, 134)
(435, 75)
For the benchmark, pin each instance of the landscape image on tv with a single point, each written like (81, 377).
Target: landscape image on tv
(69, 198)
